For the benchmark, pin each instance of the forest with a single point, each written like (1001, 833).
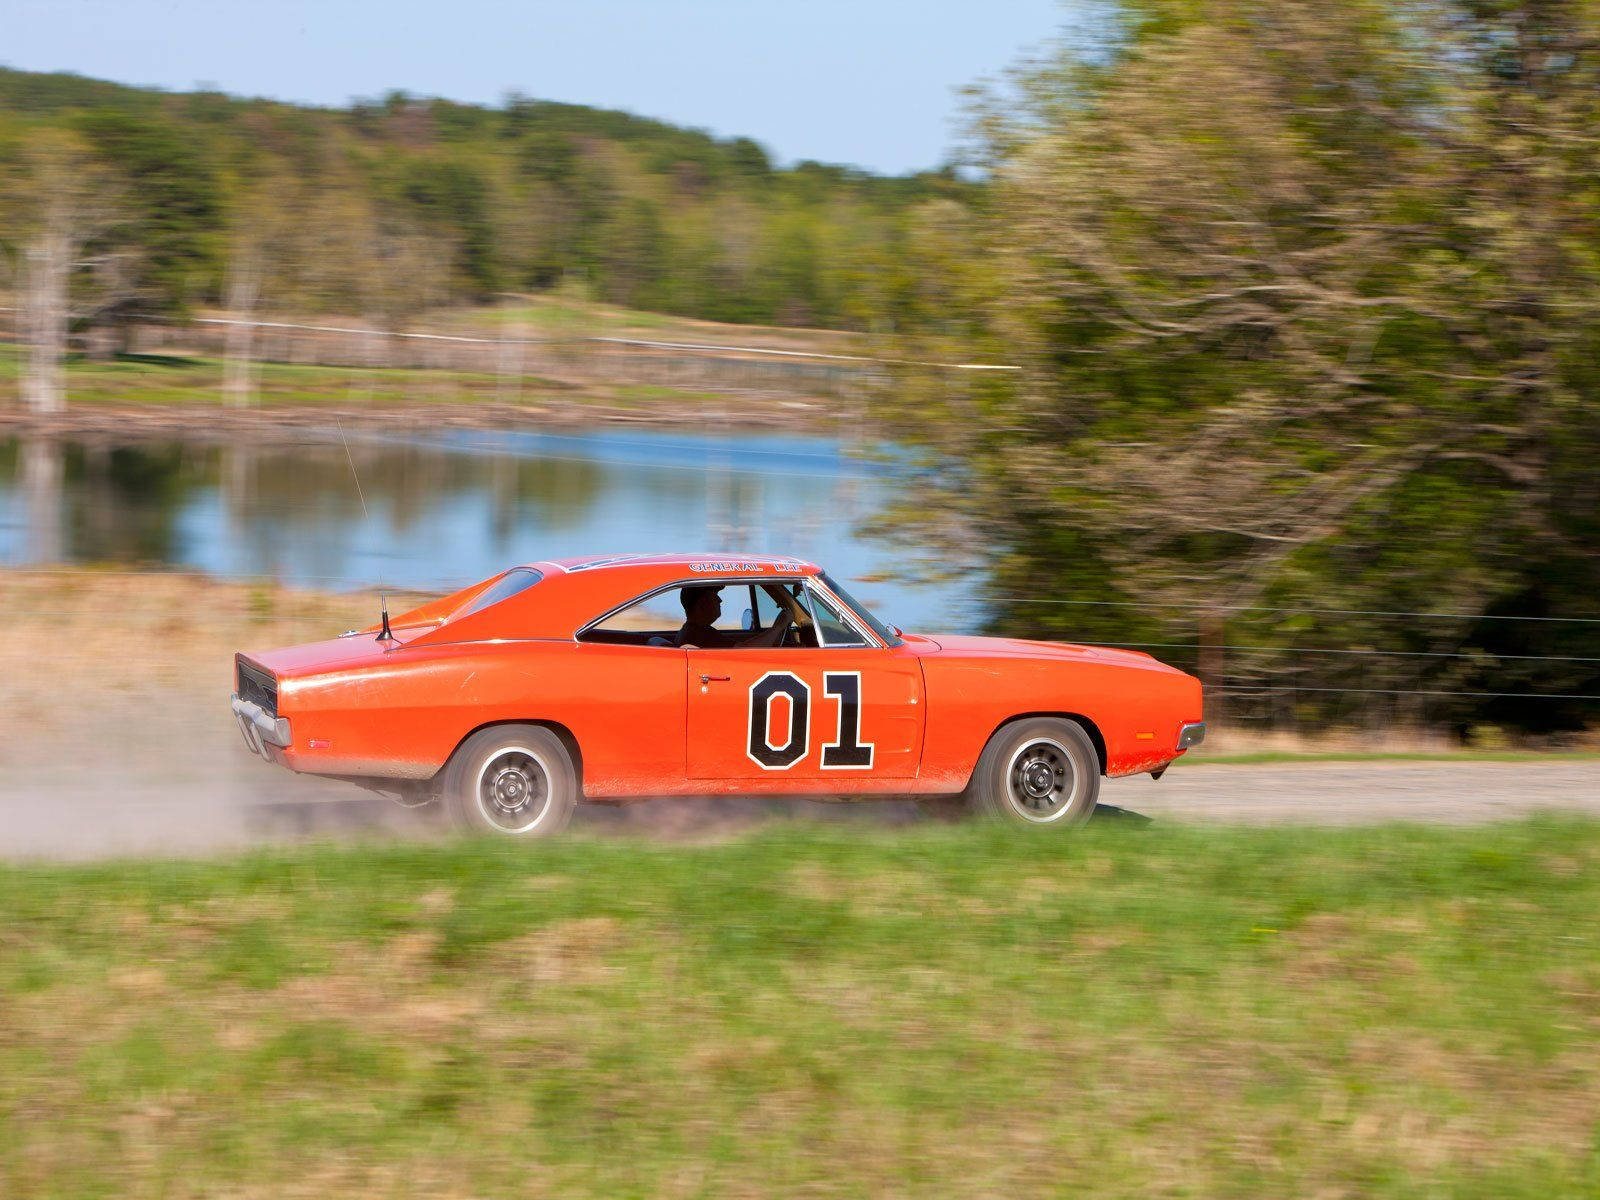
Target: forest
(163, 202)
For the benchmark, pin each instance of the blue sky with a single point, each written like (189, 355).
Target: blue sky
(869, 82)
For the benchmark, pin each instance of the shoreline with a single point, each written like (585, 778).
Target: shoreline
(292, 423)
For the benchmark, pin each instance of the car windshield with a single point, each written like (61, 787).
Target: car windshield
(885, 634)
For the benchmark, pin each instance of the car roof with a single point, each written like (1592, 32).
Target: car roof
(708, 564)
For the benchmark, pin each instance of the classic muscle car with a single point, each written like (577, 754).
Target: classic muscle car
(610, 679)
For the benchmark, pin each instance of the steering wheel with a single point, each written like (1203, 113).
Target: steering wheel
(796, 636)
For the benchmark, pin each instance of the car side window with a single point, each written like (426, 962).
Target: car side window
(748, 609)
(735, 599)
(658, 619)
(766, 610)
(650, 621)
(832, 628)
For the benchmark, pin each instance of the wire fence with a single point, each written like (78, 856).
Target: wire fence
(575, 358)
(1238, 648)
(1339, 612)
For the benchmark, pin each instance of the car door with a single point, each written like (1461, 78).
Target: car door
(844, 715)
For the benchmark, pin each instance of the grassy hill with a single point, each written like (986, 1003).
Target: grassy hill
(815, 1011)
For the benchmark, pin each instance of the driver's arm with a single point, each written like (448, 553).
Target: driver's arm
(774, 634)
(792, 615)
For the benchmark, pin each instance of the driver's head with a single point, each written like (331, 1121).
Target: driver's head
(702, 605)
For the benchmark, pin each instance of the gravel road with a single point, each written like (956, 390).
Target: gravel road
(176, 779)
(1339, 793)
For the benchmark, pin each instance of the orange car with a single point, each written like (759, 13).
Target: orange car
(609, 679)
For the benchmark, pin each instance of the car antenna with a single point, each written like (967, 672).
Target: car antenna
(384, 635)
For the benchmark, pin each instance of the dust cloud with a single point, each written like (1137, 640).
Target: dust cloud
(165, 773)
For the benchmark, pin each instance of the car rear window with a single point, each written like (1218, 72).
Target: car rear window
(518, 579)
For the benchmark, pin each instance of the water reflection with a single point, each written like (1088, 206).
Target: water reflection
(444, 510)
(42, 488)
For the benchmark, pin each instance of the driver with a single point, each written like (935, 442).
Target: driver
(702, 605)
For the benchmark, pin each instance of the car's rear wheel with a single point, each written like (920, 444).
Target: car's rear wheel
(1042, 772)
(513, 781)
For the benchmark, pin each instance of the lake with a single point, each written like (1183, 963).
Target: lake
(439, 511)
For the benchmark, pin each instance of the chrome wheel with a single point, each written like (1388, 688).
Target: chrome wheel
(516, 781)
(1041, 781)
(514, 790)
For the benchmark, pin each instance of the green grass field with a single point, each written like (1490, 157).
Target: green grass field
(171, 379)
(815, 1011)
(162, 379)
(176, 379)
(566, 315)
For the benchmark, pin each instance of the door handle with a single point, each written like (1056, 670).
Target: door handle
(705, 679)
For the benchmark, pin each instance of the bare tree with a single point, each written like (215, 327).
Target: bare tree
(279, 254)
(70, 269)
(406, 271)
(243, 293)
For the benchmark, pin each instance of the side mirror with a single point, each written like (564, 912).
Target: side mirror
(897, 631)
(748, 621)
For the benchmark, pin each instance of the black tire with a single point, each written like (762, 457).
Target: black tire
(511, 781)
(1037, 773)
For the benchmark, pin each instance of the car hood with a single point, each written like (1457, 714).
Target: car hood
(965, 646)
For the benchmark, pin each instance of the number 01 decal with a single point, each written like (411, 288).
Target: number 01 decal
(846, 752)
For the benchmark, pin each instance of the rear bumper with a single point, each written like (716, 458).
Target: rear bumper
(260, 728)
(1191, 734)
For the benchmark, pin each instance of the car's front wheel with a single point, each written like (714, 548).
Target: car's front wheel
(1038, 772)
(511, 780)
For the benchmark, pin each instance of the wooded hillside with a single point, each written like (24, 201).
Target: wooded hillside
(160, 202)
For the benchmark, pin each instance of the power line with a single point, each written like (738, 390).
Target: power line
(707, 347)
(1340, 612)
(1269, 687)
(1231, 647)
(697, 347)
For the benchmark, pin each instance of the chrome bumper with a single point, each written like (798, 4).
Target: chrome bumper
(260, 730)
(1191, 734)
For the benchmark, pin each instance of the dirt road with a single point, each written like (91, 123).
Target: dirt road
(1335, 793)
(159, 775)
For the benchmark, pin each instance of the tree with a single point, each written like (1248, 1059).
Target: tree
(453, 198)
(173, 199)
(1308, 300)
(260, 235)
(464, 174)
(65, 209)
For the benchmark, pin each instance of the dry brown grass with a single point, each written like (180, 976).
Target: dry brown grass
(75, 636)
